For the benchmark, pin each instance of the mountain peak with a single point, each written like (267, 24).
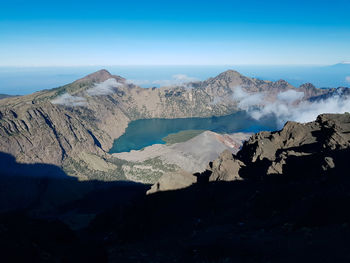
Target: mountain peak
(230, 73)
(307, 86)
(100, 76)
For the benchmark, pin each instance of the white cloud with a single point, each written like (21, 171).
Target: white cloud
(69, 100)
(104, 88)
(290, 96)
(283, 108)
(251, 100)
(347, 79)
(239, 94)
(184, 78)
(138, 82)
(305, 111)
(216, 100)
(246, 100)
(176, 80)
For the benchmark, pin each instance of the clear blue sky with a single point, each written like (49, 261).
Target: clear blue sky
(66, 33)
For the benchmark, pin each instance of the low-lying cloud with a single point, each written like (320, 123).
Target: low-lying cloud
(288, 107)
(104, 88)
(247, 100)
(290, 96)
(347, 79)
(182, 78)
(176, 80)
(68, 100)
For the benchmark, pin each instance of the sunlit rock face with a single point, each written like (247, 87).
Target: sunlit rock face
(311, 149)
(57, 126)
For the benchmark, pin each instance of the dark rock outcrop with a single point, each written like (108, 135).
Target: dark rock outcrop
(290, 211)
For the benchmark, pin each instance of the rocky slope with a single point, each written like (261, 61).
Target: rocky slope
(293, 200)
(191, 156)
(74, 124)
(311, 149)
(316, 148)
(290, 200)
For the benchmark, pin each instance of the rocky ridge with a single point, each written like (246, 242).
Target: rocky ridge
(308, 149)
(72, 124)
(316, 148)
(285, 214)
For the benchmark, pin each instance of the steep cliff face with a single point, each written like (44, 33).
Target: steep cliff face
(44, 133)
(60, 125)
(38, 128)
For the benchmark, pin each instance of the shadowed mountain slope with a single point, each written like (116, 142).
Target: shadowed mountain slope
(297, 214)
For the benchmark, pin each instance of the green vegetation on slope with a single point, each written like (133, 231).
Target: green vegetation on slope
(181, 136)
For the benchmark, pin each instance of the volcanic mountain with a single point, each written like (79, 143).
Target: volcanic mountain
(74, 126)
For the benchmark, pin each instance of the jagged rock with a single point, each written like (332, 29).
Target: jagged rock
(291, 151)
(173, 181)
(225, 168)
(328, 163)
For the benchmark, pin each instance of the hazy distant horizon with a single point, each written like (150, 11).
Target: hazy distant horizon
(46, 44)
(25, 80)
(168, 65)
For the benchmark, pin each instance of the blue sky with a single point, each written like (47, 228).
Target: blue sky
(73, 33)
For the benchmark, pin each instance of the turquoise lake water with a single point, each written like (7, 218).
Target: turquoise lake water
(146, 132)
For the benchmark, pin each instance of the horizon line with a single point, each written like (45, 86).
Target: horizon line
(161, 65)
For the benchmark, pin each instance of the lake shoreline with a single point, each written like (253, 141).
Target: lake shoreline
(146, 132)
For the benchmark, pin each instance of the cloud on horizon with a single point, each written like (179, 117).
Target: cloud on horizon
(176, 80)
(347, 79)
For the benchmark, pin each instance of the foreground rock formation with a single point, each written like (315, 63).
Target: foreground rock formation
(290, 204)
(310, 149)
(296, 150)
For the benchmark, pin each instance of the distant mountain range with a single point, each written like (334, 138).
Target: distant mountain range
(342, 64)
(275, 199)
(74, 124)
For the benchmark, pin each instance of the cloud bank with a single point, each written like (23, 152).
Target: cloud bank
(104, 88)
(182, 78)
(176, 80)
(290, 96)
(288, 107)
(68, 100)
(347, 79)
(247, 100)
